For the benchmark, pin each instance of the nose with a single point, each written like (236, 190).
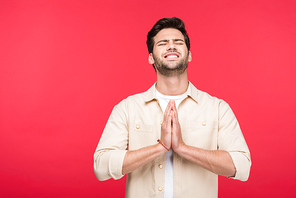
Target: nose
(171, 46)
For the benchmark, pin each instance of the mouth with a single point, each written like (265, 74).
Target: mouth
(171, 56)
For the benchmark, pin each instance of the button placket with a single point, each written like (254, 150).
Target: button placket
(160, 175)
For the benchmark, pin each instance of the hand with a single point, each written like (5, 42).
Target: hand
(166, 126)
(177, 140)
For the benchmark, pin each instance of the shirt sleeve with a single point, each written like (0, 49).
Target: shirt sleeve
(231, 139)
(111, 150)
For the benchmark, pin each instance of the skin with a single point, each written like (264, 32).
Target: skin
(173, 80)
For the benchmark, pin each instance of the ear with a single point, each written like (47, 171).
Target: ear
(151, 59)
(189, 57)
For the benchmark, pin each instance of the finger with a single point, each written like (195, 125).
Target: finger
(167, 121)
(174, 108)
(174, 120)
(172, 117)
(168, 109)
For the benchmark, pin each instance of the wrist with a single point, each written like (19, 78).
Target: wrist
(180, 148)
(163, 145)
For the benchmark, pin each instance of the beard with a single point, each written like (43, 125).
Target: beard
(165, 70)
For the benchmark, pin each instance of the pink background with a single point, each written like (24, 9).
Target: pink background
(65, 64)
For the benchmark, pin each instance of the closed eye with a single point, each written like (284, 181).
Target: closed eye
(160, 43)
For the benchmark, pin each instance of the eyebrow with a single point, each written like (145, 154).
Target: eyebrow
(168, 40)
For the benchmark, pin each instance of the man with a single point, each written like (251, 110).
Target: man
(178, 139)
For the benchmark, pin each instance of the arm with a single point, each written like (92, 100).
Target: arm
(111, 160)
(137, 158)
(216, 161)
(111, 149)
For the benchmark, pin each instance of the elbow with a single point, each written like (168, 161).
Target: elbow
(245, 178)
(101, 171)
(108, 165)
(242, 165)
(100, 175)
(243, 173)
(103, 175)
(246, 174)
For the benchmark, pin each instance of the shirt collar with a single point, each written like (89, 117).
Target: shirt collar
(150, 94)
(191, 92)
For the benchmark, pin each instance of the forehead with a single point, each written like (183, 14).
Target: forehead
(168, 34)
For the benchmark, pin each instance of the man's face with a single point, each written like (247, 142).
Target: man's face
(170, 55)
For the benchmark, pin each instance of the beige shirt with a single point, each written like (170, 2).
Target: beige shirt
(206, 122)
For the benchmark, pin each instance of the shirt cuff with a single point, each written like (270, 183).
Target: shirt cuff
(242, 164)
(116, 163)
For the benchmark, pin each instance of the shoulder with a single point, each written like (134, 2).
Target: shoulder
(139, 98)
(205, 99)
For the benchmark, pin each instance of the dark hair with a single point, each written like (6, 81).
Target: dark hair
(174, 22)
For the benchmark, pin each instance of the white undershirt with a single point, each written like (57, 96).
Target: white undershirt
(169, 171)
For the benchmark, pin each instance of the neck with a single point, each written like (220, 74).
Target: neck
(174, 85)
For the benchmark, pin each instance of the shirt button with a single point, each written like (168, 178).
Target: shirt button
(160, 122)
(137, 126)
(160, 166)
(160, 188)
(204, 123)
